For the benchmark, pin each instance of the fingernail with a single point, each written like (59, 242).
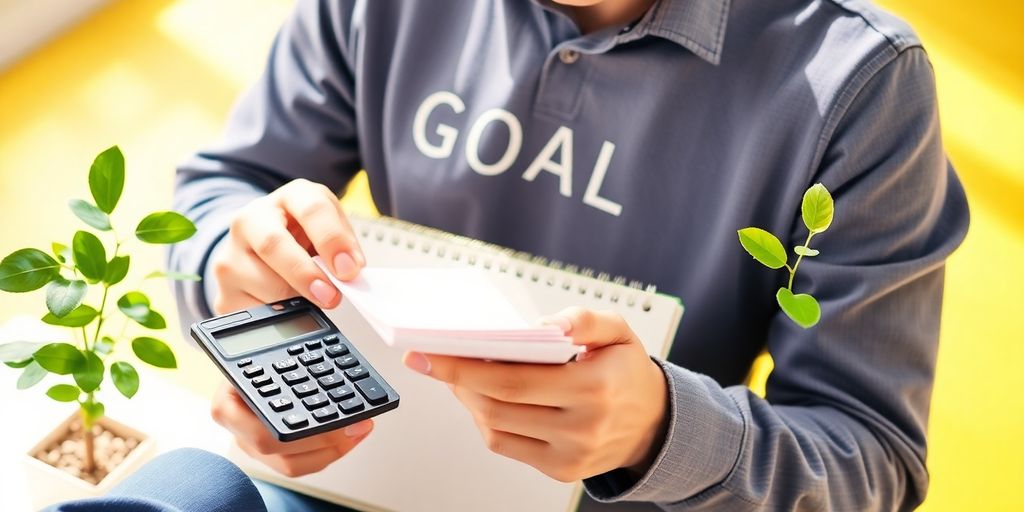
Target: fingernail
(358, 429)
(418, 362)
(322, 292)
(561, 322)
(344, 266)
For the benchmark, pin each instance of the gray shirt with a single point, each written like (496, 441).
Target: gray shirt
(640, 151)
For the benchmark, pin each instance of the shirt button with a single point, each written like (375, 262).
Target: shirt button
(568, 56)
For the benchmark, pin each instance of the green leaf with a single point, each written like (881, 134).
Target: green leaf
(126, 379)
(164, 228)
(764, 247)
(61, 251)
(26, 270)
(18, 364)
(154, 352)
(817, 208)
(64, 393)
(174, 276)
(117, 268)
(803, 250)
(63, 296)
(31, 375)
(104, 346)
(78, 317)
(94, 410)
(90, 375)
(60, 358)
(106, 178)
(90, 214)
(801, 308)
(90, 256)
(18, 350)
(135, 305)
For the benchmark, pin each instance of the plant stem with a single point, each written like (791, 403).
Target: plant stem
(792, 272)
(89, 461)
(103, 302)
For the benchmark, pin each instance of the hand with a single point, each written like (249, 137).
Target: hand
(267, 256)
(573, 421)
(294, 458)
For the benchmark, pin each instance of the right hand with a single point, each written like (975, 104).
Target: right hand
(294, 458)
(268, 253)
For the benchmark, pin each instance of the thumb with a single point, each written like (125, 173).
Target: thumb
(592, 328)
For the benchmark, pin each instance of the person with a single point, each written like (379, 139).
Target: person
(633, 137)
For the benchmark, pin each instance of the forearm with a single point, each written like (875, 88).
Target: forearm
(727, 449)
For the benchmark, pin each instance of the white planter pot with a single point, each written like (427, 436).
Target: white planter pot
(50, 485)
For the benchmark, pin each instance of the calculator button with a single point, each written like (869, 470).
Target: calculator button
(259, 382)
(336, 350)
(270, 390)
(342, 393)
(330, 381)
(295, 302)
(346, 362)
(313, 344)
(245, 362)
(330, 340)
(323, 415)
(304, 389)
(372, 390)
(280, 404)
(315, 402)
(277, 307)
(295, 377)
(295, 420)
(356, 373)
(253, 371)
(320, 369)
(295, 349)
(312, 357)
(285, 365)
(351, 405)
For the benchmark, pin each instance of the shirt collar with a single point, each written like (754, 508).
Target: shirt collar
(697, 25)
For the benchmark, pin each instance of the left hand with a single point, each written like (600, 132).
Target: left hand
(573, 421)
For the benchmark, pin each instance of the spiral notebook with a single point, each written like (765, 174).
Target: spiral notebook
(427, 455)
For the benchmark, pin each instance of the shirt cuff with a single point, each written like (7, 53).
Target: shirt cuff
(209, 279)
(701, 446)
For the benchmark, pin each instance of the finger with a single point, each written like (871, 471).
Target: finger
(234, 414)
(313, 207)
(264, 231)
(534, 384)
(231, 300)
(513, 446)
(593, 328)
(533, 421)
(258, 280)
(293, 465)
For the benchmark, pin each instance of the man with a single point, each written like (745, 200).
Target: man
(633, 137)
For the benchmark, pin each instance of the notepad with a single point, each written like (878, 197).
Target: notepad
(428, 455)
(461, 312)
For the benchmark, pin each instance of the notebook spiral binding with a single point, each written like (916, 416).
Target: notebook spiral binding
(495, 257)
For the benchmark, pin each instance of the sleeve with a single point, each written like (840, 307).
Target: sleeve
(297, 121)
(842, 426)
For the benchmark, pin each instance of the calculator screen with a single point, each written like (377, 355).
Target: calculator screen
(264, 335)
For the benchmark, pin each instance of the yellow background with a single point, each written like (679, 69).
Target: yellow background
(157, 77)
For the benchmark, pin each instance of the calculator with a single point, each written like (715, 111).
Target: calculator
(294, 368)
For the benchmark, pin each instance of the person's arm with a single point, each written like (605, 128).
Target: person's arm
(297, 121)
(265, 200)
(842, 426)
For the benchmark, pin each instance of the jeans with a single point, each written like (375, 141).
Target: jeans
(187, 480)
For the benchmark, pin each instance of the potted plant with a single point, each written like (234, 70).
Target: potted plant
(88, 452)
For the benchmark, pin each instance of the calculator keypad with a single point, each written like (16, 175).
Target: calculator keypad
(312, 384)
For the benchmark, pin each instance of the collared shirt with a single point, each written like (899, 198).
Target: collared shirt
(639, 151)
